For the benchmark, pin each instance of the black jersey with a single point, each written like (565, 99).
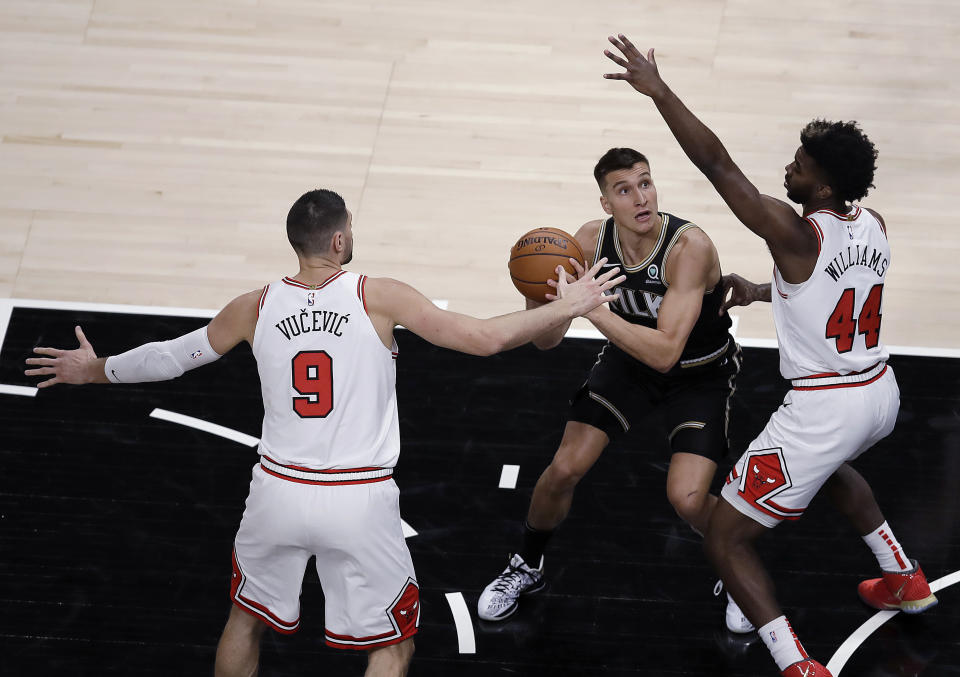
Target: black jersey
(642, 293)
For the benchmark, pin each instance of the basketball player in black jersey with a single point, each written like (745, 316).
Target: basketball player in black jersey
(669, 352)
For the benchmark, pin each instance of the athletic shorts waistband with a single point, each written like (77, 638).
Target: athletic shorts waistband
(826, 381)
(333, 477)
(705, 359)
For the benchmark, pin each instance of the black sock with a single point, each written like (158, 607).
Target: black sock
(534, 543)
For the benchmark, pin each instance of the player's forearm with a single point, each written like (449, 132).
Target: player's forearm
(653, 347)
(553, 337)
(701, 145)
(761, 292)
(514, 329)
(93, 371)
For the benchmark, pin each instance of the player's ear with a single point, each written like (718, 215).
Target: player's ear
(823, 191)
(605, 204)
(339, 241)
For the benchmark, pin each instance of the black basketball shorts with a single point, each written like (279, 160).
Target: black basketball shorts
(692, 404)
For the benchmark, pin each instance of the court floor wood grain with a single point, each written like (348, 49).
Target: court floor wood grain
(149, 151)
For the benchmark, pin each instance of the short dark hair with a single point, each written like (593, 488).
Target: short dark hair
(844, 153)
(313, 219)
(617, 158)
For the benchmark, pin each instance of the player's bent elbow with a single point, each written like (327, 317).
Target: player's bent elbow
(547, 342)
(667, 363)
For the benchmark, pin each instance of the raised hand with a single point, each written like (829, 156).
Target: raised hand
(66, 366)
(588, 290)
(641, 72)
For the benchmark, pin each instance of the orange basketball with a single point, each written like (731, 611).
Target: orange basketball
(534, 259)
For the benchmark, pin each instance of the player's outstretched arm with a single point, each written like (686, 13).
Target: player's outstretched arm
(742, 292)
(157, 361)
(771, 219)
(391, 302)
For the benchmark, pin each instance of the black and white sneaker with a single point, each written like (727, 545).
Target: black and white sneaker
(500, 599)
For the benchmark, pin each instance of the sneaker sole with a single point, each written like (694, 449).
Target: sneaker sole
(912, 607)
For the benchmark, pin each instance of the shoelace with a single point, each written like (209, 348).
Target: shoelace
(510, 579)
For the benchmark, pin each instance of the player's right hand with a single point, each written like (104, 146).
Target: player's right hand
(640, 71)
(66, 366)
(742, 292)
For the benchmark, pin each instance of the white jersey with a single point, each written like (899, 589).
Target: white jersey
(328, 381)
(830, 324)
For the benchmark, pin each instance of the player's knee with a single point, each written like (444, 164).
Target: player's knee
(564, 474)
(688, 504)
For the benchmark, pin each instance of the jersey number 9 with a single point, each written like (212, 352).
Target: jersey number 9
(313, 378)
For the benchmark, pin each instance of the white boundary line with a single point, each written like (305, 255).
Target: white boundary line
(508, 476)
(466, 642)
(6, 308)
(860, 635)
(6, 305)
(17, 390)
(205, 426)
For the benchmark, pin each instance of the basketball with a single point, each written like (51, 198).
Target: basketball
(534, 259)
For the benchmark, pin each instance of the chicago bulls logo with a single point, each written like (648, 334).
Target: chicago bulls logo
(764, 475)
(405, 611)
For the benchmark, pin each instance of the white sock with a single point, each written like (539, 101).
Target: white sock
(782, 642)
(887, 550)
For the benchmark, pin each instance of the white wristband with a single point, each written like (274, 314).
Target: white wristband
(162, 360)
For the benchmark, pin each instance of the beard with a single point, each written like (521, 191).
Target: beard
(795, 197)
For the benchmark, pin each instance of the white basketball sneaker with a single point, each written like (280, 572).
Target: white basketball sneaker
(736, 621)
(500, 599)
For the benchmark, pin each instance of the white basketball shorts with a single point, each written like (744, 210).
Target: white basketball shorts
(351, 521)
(823, 422)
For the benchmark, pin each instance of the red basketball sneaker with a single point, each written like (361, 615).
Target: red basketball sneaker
(806, 668)
(907, 591)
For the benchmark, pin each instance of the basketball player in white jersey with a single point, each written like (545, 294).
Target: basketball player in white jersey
(830, 267)
(325, 351)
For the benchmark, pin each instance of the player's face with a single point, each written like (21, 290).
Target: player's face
(802, 178)
(631, 198)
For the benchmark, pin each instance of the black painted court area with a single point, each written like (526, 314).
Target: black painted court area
(116, 528)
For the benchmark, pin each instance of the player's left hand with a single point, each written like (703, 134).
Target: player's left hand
(641, 72)
(66, 366)
(606, 280)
